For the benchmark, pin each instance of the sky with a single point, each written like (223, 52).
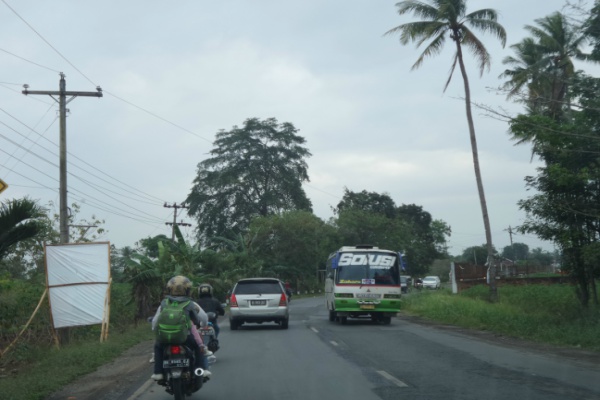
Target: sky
(175, 73)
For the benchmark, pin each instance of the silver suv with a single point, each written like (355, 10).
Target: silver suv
(258, 300)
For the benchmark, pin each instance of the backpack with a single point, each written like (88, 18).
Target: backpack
(173, 323)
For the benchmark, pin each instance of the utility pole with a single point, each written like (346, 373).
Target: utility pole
(175, 206)
(62, 101)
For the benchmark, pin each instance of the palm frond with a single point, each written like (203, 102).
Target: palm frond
(418, 8)
(482, 56)
(435, 47)
(489, 26)
(452, 68)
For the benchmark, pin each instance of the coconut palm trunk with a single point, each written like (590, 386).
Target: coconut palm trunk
(482, 201)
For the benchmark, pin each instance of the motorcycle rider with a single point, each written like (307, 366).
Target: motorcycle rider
(178, 289)
(210, 304)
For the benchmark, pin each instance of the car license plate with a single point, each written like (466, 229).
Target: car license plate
(176, 363)
(367, 307)
(258, 302)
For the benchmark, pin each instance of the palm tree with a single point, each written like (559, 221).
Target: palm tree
(18, 222)
(449, 18)
(546, 62)
(527, 74)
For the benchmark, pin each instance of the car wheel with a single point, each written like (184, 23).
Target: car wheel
(343, 320)
(386, 320)
(285, 323)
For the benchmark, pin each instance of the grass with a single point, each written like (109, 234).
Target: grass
(33, 373)
(544, 314)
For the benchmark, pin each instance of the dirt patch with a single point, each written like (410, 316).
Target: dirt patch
(114, 380)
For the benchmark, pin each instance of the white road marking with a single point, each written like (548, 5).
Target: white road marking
(333, 342)
(390, 378)
(141, 390)
(314, 330)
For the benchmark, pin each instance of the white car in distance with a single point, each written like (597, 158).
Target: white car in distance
(432, 282)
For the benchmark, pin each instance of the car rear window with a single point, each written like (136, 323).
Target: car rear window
(262, 287)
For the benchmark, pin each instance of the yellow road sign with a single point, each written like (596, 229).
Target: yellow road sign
(3, 185)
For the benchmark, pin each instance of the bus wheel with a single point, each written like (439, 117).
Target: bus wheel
(386, 320)
(331, 315)
(343, 320)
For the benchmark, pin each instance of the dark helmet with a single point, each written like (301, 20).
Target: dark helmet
(179, 286)
(205, 290)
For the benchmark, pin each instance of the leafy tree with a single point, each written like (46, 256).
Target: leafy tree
(149, 246)
(295, 245)
(516, 251)
(255, 170)
(566, 206)
(367, 201)
(449, 18)
(475, 254)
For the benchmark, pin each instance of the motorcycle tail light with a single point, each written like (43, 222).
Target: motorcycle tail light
(233, 301)
(175, 350)
(283, 300)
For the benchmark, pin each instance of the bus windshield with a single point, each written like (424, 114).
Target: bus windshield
(368, 268)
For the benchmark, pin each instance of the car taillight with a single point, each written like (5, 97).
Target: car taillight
(283, 300)
(233, 301)
(175, 350)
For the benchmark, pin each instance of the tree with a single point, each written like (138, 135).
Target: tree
(516, 251)
(566, 206)
(255, 170)
(294, 245)
(18, 222)
(367, 201)
(475, 254)
(448, 18)
(544, 64)
(592, 30)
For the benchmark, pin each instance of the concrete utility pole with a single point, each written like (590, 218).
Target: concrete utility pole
(175, 206)
(62, 104)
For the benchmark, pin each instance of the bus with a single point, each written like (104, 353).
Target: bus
(363, 281)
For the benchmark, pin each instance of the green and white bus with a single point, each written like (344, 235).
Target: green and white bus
(363, 281)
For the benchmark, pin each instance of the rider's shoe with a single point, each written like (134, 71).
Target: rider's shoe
(152, 359)
(208, 353)
(207, 374)
(157, 377)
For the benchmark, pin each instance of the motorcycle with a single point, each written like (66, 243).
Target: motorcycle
(209, 336)
(181, 378)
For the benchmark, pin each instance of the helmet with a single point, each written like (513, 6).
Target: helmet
(205, 290)
(179, 286)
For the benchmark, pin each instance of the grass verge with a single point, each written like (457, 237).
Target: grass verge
(544, 314)
(33, 373)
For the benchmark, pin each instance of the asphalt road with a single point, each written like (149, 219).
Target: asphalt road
(318, 359)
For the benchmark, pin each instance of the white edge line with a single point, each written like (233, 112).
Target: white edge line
(141, 389)
(389, 377)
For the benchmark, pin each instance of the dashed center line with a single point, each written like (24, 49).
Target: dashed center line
(390, 378)
(314, 330)
(333, 342)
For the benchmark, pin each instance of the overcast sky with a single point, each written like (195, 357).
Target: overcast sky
(174, 73)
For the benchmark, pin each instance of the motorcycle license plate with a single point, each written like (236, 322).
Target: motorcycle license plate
(176, 363)
(367, 307)
(258, 302)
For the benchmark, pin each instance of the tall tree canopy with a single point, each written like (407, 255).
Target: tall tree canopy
(449, 18)
(254, 170)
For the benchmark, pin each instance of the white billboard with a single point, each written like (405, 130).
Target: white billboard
(78, 280)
